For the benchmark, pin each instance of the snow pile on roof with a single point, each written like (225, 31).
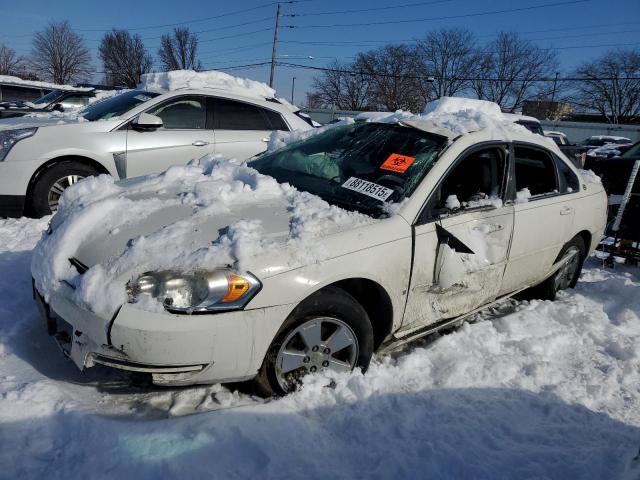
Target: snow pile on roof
(206, 190)
(35, 83)
(177, 79)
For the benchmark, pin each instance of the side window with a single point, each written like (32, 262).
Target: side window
(568, 180)
(275, 119)
(535, 171)
(475, 182)
(232, 115)
(185, 113)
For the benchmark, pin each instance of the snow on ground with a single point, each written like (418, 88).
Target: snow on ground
(530, 390)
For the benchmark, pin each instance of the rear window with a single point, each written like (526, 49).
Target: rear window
(568, 180)
(232, 115)
(535, 171)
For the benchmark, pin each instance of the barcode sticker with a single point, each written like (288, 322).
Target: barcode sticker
(370, 189)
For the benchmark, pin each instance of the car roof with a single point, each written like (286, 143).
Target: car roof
(271, 103)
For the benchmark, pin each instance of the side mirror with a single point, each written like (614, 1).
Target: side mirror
(146, 121)
(58, 107)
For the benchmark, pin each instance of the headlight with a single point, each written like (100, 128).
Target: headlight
(203, 291)
(8, 138)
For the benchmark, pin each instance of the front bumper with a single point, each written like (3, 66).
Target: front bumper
(12, 205)
(173, 349)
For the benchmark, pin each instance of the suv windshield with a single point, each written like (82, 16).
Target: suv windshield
(116, 106)
(49, 98)
(358, 167)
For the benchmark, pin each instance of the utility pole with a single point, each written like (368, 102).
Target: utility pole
(275, 42)
(293, 86)
(553, 93)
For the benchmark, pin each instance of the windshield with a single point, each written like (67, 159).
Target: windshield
(116, 106)
(358, 167)
(634, 151)
(49, 98)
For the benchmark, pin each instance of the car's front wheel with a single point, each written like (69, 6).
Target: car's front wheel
(48, 187)
(328, 331)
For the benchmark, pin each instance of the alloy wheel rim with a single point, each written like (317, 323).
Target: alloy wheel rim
(59, 186)
(322, 343)
(568, 271)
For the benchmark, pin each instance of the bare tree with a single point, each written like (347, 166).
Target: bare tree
(10, 62)
(59, 54)
(394, 76)
(448, 56)
(609, 87)
(124, 58)
(342, 87)
(510, 70)
(179, 51)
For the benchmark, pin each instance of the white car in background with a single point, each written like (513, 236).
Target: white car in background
(221, 272)
(135, 133)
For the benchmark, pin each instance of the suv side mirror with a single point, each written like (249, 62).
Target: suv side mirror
(58, 107)
(146, 121)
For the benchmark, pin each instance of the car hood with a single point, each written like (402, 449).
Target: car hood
(200, 229)
(209, 214)
(55, 120)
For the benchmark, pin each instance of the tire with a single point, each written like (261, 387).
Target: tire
(52, 182)
(566, 277)
(339, 318)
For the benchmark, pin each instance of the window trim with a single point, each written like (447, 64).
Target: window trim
(207, 125)
(504, 145)
(259, 107)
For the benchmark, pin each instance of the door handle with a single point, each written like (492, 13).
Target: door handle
(200, 143)
(265, 139)
(566, 211)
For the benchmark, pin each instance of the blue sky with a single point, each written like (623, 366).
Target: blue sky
(574, 28)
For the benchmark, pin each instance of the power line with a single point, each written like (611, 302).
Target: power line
(375, 9)
(418, 77)
(449, 17)
(196, 20)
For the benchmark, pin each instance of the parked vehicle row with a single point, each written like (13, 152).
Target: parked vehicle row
(54, 101)
(135, 133)
(477, 218)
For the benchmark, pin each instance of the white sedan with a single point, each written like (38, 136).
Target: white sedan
(135, 133)
(356, 240)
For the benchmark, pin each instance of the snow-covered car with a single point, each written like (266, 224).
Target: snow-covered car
(134, 133)
(355, 240)
(559, 137)
(54, 101)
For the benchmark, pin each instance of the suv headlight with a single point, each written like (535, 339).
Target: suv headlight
(197, 292)
(8, 138)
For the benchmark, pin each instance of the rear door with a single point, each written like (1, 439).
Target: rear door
(186, 134)
(544, 210)
(242, 129)
(462, 239)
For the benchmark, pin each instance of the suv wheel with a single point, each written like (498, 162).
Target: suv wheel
(328, 331)
(48, 188)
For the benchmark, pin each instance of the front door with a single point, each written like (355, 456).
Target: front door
(185, 135)
(462, 240)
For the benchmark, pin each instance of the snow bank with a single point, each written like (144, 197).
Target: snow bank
(529, 390)
(210, 188)
(216, 80)
(34, 83)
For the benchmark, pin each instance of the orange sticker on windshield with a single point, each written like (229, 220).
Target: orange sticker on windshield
(397, 163)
